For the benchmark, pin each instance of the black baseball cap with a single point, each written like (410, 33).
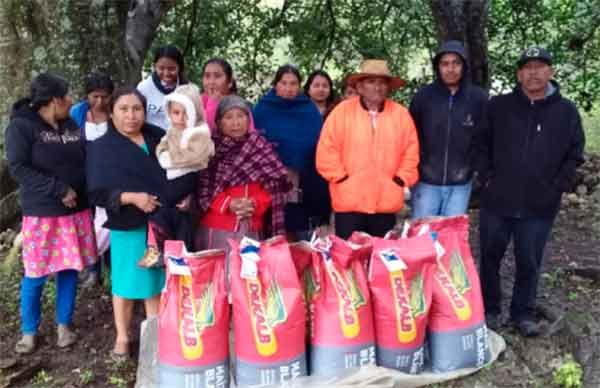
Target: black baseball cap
(534, 53)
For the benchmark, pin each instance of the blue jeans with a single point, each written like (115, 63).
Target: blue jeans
(529, 237)
(433, 200)
(31, 295)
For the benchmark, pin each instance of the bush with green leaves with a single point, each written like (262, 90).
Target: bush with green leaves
(569, 374)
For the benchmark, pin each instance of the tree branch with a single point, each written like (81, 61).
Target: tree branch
(191, 27)
(143, 19)
(329, 51)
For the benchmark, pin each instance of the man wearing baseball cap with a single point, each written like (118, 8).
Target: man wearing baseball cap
(530, 150)
(368, 152)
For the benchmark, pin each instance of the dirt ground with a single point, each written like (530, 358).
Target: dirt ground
(570, 311)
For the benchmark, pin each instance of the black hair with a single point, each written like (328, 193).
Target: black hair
(173, 53)
(322, 73)
(44, 88)
(124, 91)
(285, 69)
(98, 81)
(344, 85)
(227, 69)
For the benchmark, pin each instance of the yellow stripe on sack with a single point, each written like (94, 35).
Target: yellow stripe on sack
(189, 335)
(264, 336)
(460, 305)
(405, 322)
(349, 321)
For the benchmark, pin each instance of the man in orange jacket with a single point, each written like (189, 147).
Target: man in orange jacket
(368, 152)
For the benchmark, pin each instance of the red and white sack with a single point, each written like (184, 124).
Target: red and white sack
(193, 322)
(268, 313)
(342, 321)
(302, 256)
(401, 284)
(457, 332)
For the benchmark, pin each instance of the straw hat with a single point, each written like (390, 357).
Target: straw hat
(375, 68)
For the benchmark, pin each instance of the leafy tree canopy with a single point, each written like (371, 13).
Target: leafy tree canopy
(258, 36)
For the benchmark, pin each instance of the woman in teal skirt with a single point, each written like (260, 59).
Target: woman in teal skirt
(124, 176)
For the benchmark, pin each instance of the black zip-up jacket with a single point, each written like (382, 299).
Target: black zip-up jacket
(529, 153)
(115, 165)
(45, 162)
(448, 125)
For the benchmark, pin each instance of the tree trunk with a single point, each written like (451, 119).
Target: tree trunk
(143, 19)
(12, 63)
(465, 20)
(72, 38)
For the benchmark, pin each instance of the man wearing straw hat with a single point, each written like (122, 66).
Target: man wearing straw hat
(368, 152)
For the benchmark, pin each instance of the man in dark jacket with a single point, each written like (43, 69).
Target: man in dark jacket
(447, 114)
(528, 156)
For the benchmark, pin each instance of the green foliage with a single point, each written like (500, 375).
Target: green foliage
(117, 381)
(10, 282)
(49, 295)
(41, 379)
(86, 376)
(554, 278)
(258, 36)
(570, 29)
(591, 124)
(569, 374)
(334, 35)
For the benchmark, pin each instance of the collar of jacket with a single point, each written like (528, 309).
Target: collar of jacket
(159, 85)
(364, 106)
(555, 96)
(446, 90)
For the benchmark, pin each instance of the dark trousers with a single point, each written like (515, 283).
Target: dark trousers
(172, 224)
(375, 224)
(529, 237)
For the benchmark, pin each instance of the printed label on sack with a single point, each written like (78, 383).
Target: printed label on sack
(410, 361)
(214, 376)
(455, 283)
(280, 374)
(249, 250)
(392, 261)
(350, 298)
(254, 375)
(178, 266)
(194, 316)
(329, 360)
(265, 316)
(407, 305)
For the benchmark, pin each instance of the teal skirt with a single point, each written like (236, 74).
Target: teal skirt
(128, 280)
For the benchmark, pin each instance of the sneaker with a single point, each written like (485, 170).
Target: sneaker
(66, 337)
(152, 258)
(493, 321)
(26, 344)
(528, 328)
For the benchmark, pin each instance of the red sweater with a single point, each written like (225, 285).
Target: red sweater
(218, 215)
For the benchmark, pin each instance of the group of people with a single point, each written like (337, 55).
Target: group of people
(171, 160)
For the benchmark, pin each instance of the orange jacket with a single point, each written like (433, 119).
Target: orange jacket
(371, 156)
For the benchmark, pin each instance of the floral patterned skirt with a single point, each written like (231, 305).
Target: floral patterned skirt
(53, 244)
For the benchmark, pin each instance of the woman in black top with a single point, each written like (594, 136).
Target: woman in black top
(46, 157)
